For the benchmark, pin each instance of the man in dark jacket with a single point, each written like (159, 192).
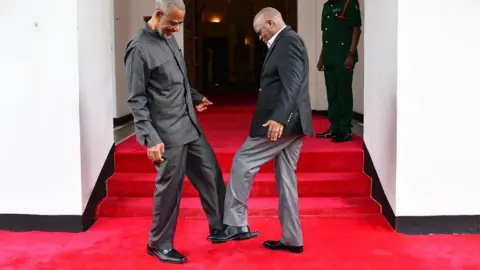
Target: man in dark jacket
(282, 119)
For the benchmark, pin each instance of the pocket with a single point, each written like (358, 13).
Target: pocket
(168, 74)
(160, 75)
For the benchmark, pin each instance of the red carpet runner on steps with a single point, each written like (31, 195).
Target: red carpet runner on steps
(343, 230)
(331, 181)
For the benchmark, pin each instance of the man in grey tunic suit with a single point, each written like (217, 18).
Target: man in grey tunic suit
(282, 118)
(162, 104)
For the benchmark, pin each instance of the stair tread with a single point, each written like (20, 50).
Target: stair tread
(311, 203)
(141, 151)
(264, 185)
(230, 144)
(257, 207)
(260, 177)
(330, 176)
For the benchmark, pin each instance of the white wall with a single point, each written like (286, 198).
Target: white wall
(359, 74)
(40, 169)
(420, 82)
(56, 83)
(308, 30)
(97, 83)
(438, 97)
(380, 114)
(309, 27)
(128, 19)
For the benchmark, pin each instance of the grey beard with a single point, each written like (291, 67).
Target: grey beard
(163, 35)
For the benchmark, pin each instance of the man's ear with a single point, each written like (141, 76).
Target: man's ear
(158, 15)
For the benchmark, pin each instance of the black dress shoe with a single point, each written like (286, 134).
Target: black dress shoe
(277, 245)
(166, 255)
(233, 233)
(214, 231)
(325, 135)
(341, 137)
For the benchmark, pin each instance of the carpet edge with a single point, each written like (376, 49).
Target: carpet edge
(378, 193)
(99, 191)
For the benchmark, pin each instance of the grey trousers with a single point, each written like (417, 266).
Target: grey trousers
(247, 161)
(198, 161)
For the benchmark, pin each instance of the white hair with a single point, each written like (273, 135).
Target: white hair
(166, 5)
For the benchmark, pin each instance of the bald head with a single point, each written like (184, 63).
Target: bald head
(268, 13)
(267, 23)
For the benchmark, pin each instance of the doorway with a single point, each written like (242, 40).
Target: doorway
(215, 61)
(260, 54)
(222, 50)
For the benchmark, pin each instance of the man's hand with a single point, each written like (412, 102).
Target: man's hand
(275, 130)
(348, 64)
(155, 153)
(203, 104)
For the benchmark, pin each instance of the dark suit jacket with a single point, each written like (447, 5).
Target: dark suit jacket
(283, 95)
(161, 100)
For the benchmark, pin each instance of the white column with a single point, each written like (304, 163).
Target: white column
(380, 111)
(56, 82)
(40, 169)
(421, 104)
(438, 97)
(97, 83)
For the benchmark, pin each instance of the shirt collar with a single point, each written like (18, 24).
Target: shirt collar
(272, 39)
(149, 30)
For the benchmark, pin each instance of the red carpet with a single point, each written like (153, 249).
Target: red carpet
(342, 225)
(331, 180)
(352, 243)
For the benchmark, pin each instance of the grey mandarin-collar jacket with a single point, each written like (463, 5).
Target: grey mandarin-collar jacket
(161, 100)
